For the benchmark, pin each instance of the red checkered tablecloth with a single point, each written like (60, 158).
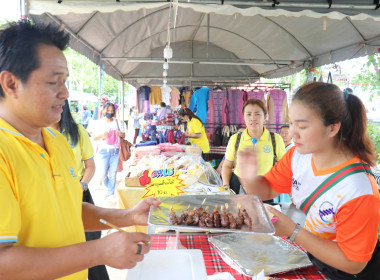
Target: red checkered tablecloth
(217, 150)
(213, 261)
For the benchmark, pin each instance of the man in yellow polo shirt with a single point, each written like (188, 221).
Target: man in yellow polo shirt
(42, 218)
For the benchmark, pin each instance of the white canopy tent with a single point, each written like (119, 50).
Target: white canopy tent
(82, 96)
(213, 41)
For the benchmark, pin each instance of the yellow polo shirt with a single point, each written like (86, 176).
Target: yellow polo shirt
(263, 149)
(83, 150)
(194, 126)
(40, 195)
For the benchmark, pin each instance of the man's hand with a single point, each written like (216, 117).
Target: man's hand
(119, 249)
(140, 212)
(106, 134)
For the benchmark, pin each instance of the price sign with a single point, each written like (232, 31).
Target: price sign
(161, 182)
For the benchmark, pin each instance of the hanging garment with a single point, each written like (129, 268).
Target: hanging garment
(277, 109)
(143, 94)
(182, 99)
(170, 137)
(165, 94)
(169, 116)
(210, 116)
(217, 96)
(146, 106)
(200, 99)
(174, 97)
(225, 135)
(187, 98)
(225, 111)
(234, 95)
(218, 138)
(162, 138)
(155, 97)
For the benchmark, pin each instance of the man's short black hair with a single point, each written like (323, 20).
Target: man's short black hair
(285, 125)
(19, 47)
(163, 104)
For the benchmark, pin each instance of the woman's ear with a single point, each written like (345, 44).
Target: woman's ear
(334, 129)
(9, 83)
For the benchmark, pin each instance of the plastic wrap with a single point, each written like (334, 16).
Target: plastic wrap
(251, 253)
(211, 175)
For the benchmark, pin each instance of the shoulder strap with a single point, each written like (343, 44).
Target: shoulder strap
(273, 138)
(237, 143)
(331, 181)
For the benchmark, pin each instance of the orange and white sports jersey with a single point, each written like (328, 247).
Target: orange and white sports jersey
(348, 213)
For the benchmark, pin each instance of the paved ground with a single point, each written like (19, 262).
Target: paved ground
(98, 193)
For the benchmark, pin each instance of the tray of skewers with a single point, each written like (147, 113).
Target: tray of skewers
(216, 213)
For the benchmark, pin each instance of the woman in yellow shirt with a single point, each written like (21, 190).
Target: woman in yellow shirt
(195, 130)
(254, 136)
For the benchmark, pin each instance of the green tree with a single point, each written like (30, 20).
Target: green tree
(369, 76)
(84, 76)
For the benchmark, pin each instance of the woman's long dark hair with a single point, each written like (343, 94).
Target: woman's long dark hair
(68, 126)
(334, 106)
(188, 112)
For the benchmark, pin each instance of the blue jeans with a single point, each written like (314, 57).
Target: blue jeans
(109, 161)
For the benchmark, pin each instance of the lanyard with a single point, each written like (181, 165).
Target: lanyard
(254, 141)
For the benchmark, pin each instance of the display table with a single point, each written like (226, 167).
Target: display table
(214, 262)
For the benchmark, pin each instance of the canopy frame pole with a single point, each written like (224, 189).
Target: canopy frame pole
(23, 10)
(208, 33)
(122, 99)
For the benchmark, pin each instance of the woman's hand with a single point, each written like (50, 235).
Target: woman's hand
(140, 212)
(283, 224)
(106, 134)
(247, 162)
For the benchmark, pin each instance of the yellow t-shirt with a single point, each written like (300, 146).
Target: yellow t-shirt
(155, 97)
(194, 126)
(83, 150)
(263, 149)
(40, 195)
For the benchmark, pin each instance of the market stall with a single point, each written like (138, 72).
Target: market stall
(233, 42)
(167, 170)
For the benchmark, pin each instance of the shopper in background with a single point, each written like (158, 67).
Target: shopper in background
(85, 117)
(255, 136)
(195, 130)
(328, 174)
(162, 112)
(42, 215)
(135, 116)
(77, 136)
(126, 112)
(107, 133)
(284, 132)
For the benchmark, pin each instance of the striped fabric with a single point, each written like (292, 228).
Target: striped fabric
(9, 238)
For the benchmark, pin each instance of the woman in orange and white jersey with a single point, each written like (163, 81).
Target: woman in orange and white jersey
(329, 177)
